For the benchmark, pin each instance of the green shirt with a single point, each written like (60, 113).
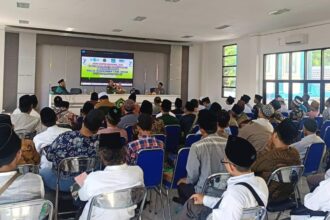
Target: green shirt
(61, 90)
(169, 120)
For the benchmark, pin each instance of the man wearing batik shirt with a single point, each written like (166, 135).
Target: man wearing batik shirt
(83, 143)
(297, 113)
(145, 140)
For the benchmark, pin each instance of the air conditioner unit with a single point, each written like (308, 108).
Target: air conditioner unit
(296, 39)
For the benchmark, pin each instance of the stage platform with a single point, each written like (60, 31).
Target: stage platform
(77, 101)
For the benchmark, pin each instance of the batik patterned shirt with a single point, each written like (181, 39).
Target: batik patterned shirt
(71, 144)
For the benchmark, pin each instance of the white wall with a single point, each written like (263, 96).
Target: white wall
(250, 60)
(2, 58)
(174, 82)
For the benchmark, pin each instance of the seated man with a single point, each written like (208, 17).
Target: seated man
(204, 157)
(156, 107)
(48, 119)
(297, 113)
(61, 88)
(258, 131)
(278, 153)
(310, 137)
(240, 155)
(65, 116)
(247, 107)
(20, 187)
(104, 101)
(34, 112)
(72, 144)
(166, 115)
(188, 119)
(117, 175)
(23, 122)
(145, 140)
(129, 118)
(223, 124)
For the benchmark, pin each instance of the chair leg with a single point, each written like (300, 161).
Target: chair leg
(168, 203)
(56, 201)
(150, 198)
(142, 205)
(278, 215)
(161, 201)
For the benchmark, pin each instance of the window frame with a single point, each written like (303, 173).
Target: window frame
(223, 87)
(322, 82)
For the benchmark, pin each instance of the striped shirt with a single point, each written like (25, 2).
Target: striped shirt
(144, 142)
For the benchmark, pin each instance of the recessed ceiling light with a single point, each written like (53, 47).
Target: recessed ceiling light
(187, 36)
(23, 5)
(69, 29)
(222, 27)
(172, 1)
(117, 30)
(139, 18)
(23, 22)
(279, 12)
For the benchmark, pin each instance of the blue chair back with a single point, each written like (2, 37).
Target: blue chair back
(313, 158)
(151, 162)
(285, 114)
(250, 115)
(301, 122)
(180, 167)
(129, 130)
(195, 129)
(192, 138)
(234, 130)
(319, 120)
(324, 127)
(327, 138)
(173, 134)
(160, 137)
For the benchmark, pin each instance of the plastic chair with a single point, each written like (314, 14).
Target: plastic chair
(178, 173)
(301, 122)
(285, 175)
(234, 130)
(27, 210)
(215, 184)
(160, 137)
(250, 115)
(173, 134)
(313, 158)
(256, 213)
(195, 129)
(285, 114)
(324, 127)
(129, 130)
(192, 138)
(72, 166)
(326, 138)
(151, 162)
(119, 199)
(28, 168)
(319, 120)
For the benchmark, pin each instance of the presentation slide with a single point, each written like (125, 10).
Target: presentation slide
(98, 67)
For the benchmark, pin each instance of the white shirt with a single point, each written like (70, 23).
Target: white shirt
(228, 107)
(46, 138)
(247, 109)
(25, 187)
(304, 143)
(161, 114)
(319, 199)
(111, 179)
(25, 123)
(265, 123)
(32, 113)
(237, 197)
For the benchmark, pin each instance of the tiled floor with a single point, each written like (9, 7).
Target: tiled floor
(176, 208)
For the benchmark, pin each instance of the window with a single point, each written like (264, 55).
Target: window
(229, 70)
(295, 73)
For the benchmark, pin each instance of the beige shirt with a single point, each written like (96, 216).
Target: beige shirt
(257, 134)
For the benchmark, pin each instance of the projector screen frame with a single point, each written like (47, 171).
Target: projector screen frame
(108, 54)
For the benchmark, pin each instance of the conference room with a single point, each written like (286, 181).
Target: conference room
(164, 109)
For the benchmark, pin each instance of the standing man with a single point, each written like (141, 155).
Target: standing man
(160, 90)
(61, 88)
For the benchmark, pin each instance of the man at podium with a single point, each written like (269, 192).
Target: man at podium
(61, 88)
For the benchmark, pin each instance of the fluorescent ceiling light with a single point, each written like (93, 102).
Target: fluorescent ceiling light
(69, 29)
(23, 22)
(222, 27)
(23, 5)
(117, 30)
(172, 1)
(279, 12)
(187, 36)
(139, 18)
